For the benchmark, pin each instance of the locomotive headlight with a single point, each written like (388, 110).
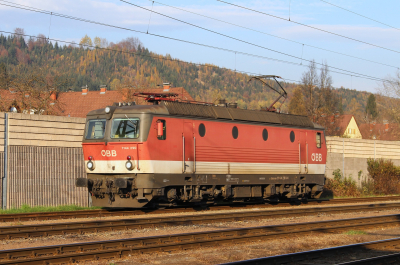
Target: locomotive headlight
(90, 165)
(129, 165)
(107, 109)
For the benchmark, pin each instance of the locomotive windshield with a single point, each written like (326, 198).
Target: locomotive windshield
(95, 129)
(125, 128)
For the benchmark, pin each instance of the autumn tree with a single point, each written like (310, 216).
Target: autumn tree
(296, 104)
(86, 41)
(97, 42)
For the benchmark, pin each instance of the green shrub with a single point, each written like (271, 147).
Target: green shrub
(342, 186)
(385, 176)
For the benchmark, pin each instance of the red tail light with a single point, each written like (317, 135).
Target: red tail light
(128, 157)
(90, 158)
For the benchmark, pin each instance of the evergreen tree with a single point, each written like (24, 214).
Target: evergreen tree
(371, 107)
(4, 78)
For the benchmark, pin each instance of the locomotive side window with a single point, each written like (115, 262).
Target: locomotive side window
(265, 134)
(95, 129)
(292, 136)
(202, 130)
(125, 128)
(318, 140)
(235, 132)
(161, 130)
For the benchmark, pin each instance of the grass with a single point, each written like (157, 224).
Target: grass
(355, 232)
(25, 208)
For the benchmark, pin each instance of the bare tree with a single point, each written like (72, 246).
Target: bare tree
(389, 98)
(309, 87)
(19, 32)
(130, 86)
(321, 101)
(34, 91)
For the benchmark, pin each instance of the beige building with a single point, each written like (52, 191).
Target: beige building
(349, 127)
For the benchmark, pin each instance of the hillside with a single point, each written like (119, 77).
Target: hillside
(129, 60)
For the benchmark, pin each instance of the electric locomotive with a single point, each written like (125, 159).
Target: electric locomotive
(178, 153)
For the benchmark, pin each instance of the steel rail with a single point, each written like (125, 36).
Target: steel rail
(117, 248)
(386, 245)
(26, 231)
(105, 213)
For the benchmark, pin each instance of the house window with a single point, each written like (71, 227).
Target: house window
(318, 140)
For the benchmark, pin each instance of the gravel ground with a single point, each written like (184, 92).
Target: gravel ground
(223, 253)
(251, 250)
(149, 215)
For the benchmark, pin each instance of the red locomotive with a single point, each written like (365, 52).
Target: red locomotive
(174, 153)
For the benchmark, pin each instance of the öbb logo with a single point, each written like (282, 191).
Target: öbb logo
(316, 157)
(108, 153)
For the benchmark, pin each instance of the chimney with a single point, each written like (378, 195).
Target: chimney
(166, 87)
(85, 90)
(103, 89)
(371, 127)
(53, 95)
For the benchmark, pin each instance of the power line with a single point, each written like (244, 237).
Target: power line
(275, 36)
(344, 72)
(132, 53)
(240, 40)
(359, 14)
(309, 26)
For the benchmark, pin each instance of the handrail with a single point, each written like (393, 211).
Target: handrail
(183, 154)
(307, 157)
(299, 159)
(194, 155)
(137, 155)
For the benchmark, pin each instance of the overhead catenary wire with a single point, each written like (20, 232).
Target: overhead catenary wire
(309, 26)
(244, 41)
(275, 36)
(132, 53)
(340, 71)
(145, 55)
(326, 2)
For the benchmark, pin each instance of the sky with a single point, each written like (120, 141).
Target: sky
(252, 42)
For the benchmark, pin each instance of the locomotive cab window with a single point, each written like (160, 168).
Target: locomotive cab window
(125, 128)
(161, 130)
(318, 139)
(95, 129)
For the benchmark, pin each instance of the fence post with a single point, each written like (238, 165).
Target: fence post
(343, 157)
(5, 173)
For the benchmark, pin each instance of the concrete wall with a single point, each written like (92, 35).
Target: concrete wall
(350, 155)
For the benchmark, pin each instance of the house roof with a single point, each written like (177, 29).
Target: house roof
(379, 131)
(344, 121)
(78, 104)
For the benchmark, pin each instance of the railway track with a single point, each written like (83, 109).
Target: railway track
(25, 231)
(111, 249)
(106, 213)
(382, 250)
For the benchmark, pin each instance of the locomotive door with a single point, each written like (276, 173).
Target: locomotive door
(303, 153)
(188, 148)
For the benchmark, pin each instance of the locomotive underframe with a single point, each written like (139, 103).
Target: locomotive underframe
(138, 190)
